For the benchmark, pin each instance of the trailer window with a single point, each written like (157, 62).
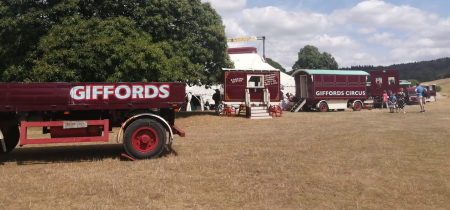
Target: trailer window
(255, 81)
(391, 80)
(379, 82)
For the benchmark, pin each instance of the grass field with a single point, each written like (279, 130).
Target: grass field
(335, 160)
(444, 83)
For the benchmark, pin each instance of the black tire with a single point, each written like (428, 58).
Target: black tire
(323, 107)
(12, 138)
(156, 132)
(357, 106)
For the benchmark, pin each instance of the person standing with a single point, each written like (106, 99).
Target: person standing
(283, 105)
(401, 101)
(207, 104)
(419, 90)
(216, 98)
(385, 100)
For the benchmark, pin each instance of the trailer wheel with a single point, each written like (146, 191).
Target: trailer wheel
(357, 106)
(12, 137)
(323, 107)
(144, 138)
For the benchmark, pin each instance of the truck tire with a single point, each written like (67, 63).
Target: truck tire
(144, 138)
(323, 107)
(357, 106)
(11, 139)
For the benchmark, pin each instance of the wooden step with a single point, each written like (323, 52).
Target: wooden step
(260, 114)
(260, 118)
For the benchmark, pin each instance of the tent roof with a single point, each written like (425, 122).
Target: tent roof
(331, 72)
(241, 50)
(255, 70)
(250, 61)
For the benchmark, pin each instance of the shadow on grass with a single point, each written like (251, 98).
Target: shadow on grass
(185, 114)
(62, 154)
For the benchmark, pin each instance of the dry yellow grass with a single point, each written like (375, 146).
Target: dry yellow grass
(336, 160)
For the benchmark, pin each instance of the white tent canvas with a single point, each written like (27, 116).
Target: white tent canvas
(256, 62)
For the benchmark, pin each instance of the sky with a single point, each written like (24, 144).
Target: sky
(371, 32)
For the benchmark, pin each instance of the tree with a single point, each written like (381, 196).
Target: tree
(309, 57)
(108, 40)
(413, 82)
(327, 61)
(275, 65)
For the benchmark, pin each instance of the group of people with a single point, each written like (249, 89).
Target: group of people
(397, 101)
(285, 102)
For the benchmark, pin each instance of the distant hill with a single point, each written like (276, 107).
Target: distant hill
(422, 71)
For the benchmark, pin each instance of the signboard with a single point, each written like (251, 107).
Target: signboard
(270, 79)
(242, 39)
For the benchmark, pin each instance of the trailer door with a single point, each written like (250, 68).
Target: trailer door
(303, 87)
(255, 84)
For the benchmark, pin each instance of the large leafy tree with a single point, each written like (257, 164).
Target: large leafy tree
(111, 40)
(275, 64)
(309, 57)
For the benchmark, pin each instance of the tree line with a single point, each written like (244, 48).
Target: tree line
(421, 71)
(309, 57)
(111, 41)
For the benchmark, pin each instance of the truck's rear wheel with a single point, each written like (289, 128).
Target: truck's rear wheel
(144, 138)
(323, 107)
(357, 106)
(12, 136)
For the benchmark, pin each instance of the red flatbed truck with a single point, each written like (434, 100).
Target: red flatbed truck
(86, 112)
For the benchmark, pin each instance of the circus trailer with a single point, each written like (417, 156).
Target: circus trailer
(383, 80)
(252, 90)
(325, 90)
(431, 89)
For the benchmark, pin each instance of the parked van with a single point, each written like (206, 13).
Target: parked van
(411, 96)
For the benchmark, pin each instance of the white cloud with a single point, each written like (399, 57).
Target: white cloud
(372, 32)
(232, 28)
(227, 5)
(385, 15)
(367, 30)
(275, 22)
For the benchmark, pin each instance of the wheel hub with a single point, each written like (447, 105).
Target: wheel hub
(145, 139)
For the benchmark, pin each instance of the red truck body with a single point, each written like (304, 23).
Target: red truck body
(86, 112)
(57, 96)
